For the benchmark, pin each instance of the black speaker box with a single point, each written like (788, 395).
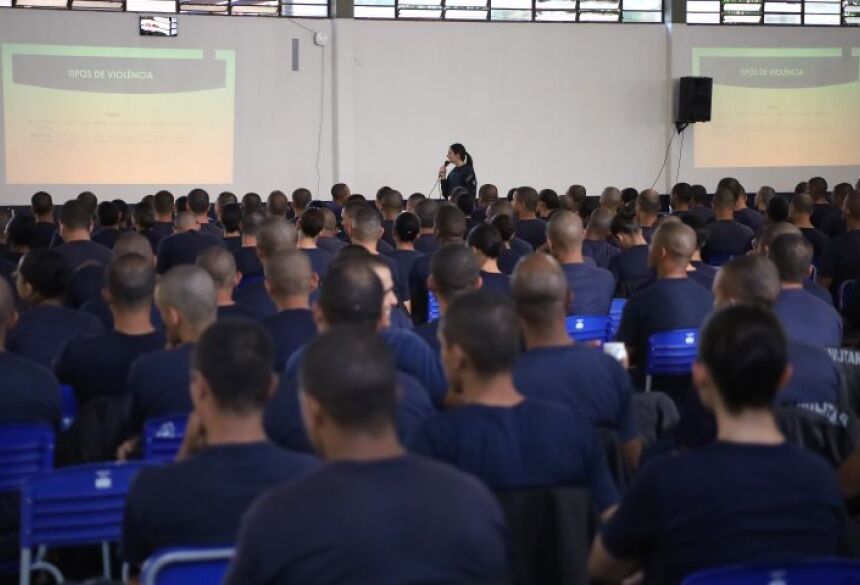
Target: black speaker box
(694, 100)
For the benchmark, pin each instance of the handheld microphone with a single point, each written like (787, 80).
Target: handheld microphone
(447, 162)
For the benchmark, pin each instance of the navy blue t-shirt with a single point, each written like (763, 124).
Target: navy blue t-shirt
(242, 311)
(630, 269)
(42, 234)
(601, 252)
(815, 378)
(87, 284)
(200, 501)
(320, 260)
(247, 262)
(30, 393)
(520, 246)
(727, 237)
(153, 238)
(418, 289)
(162, 229)
(400, 520)
(508, 258)
(401, 285)
(184, 248)
(531, 445)
(405, 259)
(532, 231)
(98, 366)
(821, 212)
(290, 330)
(107, 237)
(100, 309)
(704, 274)
(211, 229)
(232, 243)
(817, 239)
(834, 225)
(159, 385)
(818, 291)
(727, 504)
(388, 232)
(808, 319)
(705, 213)
(496, 282)
(41, 332)
(426, 243)
(429, 332)
(331, 245)
(80, 251)
(591, 287)
(647, 232)
(751, 218)
(591, 383)
(256, 296)
(840, 260)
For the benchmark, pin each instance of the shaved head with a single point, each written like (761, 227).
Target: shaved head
(600, 222)
(289, 273)
(219, 264)
(276, 235)
(565, 232)
(772, 232)
(675, 240)
(540, 290)
(648, 201)
(133, 243)
(190, 291)
(184, 221)
(747, 280)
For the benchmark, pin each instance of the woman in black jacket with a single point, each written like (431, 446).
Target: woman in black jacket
(463, 174)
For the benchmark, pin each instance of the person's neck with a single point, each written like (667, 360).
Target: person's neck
(166, 218)
(363, 447)
(328, 234)
(110, 227)
(202, 219)
(491, 266)
(496, 390)
(249, 241)
(49, 218)
(791, 285)
(681, 207)
(637, 240)
(406, 246)
(750, 426)
(306, 242)
(459, 163)
(667, 271)
(852, 225)
(646, 219)
(595, 236)
(802, 221)
(426, 232)
(229, 429)
(390, 215)
(724, 214)
(369, 246)
(76, 235)
(132, 321)
(741, 204)
(527, 215)
(235, 234)
(555, 336)
(570, 257)
(288, 303)
(224, 297)
(697, 256)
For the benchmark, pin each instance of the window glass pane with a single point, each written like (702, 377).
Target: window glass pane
(407, 13)
(703, 17)
(562, 4)
(466, 14)
(782, 19)
(822, 8)
(703, 6)
(600, 17)
(643, 5)
(510, 15)
(789, 7)
(556, 15)
(374, 12)
(821, 19)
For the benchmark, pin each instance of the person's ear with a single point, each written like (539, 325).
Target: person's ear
(704, 384)
(200, 392)
(273, 386)
(319, 318)
(380, 233)
(12, 320)
(479, 283)
(786, 376)
(237, 278)
(315, 282)
(172, 317)
(457, 358)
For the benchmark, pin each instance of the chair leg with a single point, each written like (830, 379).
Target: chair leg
(25, 566)
(106, 568)
(647, 383)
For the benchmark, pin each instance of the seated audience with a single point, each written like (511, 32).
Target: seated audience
(817, 189)
(736, 500)
(164, 209)
(591, 287)
(763, 197)
(143, 219)
(517, 245)
(742, 214)
(510, 253)
(184, 246)
(198, 205)
(487, 193)
(701, 205)
(227, 461)
(598, 232)
(410, 520)
(548, 202)
(391, 204)
(300, 199)
(247, 261)
(252, 202)
(231, 221)
(327, 239)
(528, 225)
(486, 244)
(43, 210)
(407, 227)
(680, 199)
(841, 257)
(611, 200)
(109, 224)
(274, 235)
(647, 209)
(801, 213)
(698, 270)
(834, 225)
(224, 199)
(76, 223)
(310, 224)
(727, 237)
(630, 267)
(220, 265)
(778, 211)
(365, 231)
(426, 210)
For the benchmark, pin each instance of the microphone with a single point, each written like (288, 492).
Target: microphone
(447, 162)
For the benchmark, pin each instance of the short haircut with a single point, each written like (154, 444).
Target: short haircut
(20, 230)
(539, 289)
(682, 193)
(724, 199)
(351, 293)
(226, 198)
(220, 264)
(611, 198)
(47, 272)
(277, 203)
(750, 280)
(564, 229)
(840, 192)
(778, 209)
(818, 187)
(852, 205)
(487, 193)
(392, 200)
(745, 352)
(231, 217)
(339, 191)
(163, 202)
(108, 214)
(329, 219)
(549, 198)
(577, 193)
(276, 235)
(361, 392)
(801, 187)
(185, 219)
(311, 222)
(133, 243)
(351, 208)
(732, 185)
(483, 324)
(773, 231)
(699, 194)
(75, 215)
(649, 201)
(89, 200)
(250, 224)
(625, 223)
(366, 224)
(236, 357)
(301, 198)
(407, 226)
(500, 207)
(454, 270)
(487, 239)
(528, 197)
(426, 211)
(450, 223)
(190, 291)
(252, 202)
(802, 203)
(698, 224)
(465, 201)
(42, 203)
(7, 304)
(198, 201)
(792, 255)
(505, 225)
(182, 203)
(130, 280)
(144, 215)
(600, 221)
(416, 197)
(766, 193)
(289, 273)
(677, 239)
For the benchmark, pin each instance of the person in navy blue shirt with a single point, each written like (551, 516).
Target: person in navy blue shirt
(701, 204)
(514, 248)
(727, 237)
(372, 513)
(555, 369)
(734, 501)
(20, 232)
(143, 218)
(231, 221)
(44, 327)
(289, 280)
(220, 264)
(801, 213)
(803, 316)
(426, 210)
(327, 238)
(486, 244)
(630, 267)
(274, 235)
(528, 226)
(198, 205)
(184, 246)
(597, 233)
(309, 225)
(158, 381)
(680, 199)
(751, 218)
(407, 226)
(591, 288)
(76, 223)
(109, 218)
(390, 204)
(454, 271)
(509, 441)
(817, 189)
(647, 209)
(247, 261)
(450, 226)
(672, 302)
(226, 461)
(43, 209)
(164, 209)
(698, 270)
(840, 260)
(834, 225)
(365, 230)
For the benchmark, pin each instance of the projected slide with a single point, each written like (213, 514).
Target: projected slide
(780, 107)
(107, 115)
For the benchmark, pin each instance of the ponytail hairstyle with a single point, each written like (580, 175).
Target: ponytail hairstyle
(460, 150)
(487, 239)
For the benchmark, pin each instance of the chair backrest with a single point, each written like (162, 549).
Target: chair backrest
(75, 505)
(432, 307)
(587, 327)
(162, 437)
(184, 566)
(68, 406)
(846, 291)
(717, 260)
(672, 353)
(830, 571)
(25, 450)
(616, 309)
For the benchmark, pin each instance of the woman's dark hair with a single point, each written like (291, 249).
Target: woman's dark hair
(460, 150)
(629, 195)
(407, 226)
(487, 238)
(505, 226)
(47, 272)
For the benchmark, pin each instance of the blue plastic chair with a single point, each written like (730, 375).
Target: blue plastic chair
(68, 406)
(187, 566)
(162, 437)
(846, 291)
(717, 260)
(432, 307)
(73, 506)
(671, 353)
(616, 309)
(829, 572)
(587, 327)
(25, 450)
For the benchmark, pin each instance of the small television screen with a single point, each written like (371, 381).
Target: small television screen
(159, 26)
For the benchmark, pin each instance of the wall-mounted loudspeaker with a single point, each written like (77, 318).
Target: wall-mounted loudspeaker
(694, 100)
